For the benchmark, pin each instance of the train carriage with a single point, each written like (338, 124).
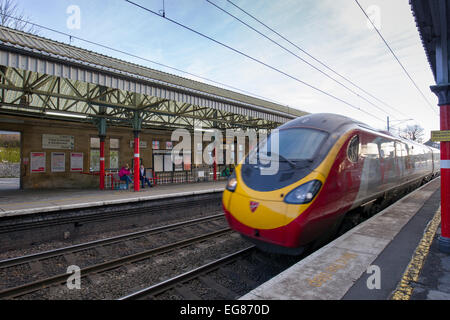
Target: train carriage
(327, 165)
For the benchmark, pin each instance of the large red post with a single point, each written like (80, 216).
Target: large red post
(215, 164)
(443, 93)
(445, 176)
(136, 161)
(102, 163)
(440, 23)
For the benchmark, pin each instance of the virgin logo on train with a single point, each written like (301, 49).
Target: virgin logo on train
(253, 206)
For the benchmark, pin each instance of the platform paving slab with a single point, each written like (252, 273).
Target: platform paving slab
(394, 261)
(434, 279)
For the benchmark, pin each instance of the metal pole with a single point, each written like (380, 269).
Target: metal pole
(101, 124)
(136, 161)
(442, 90)
(443, 93)
(215, 164)
(445, 182)
(102, 162)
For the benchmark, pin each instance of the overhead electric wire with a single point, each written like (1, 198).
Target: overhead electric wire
(254, 59)
(396, 58)
(138, 57)
(314, 58)
(297, 56)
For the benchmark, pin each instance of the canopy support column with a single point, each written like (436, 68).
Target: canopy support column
(137, 127)
(101, 125)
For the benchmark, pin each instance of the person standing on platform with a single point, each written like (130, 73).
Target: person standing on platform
(143, 177)
(124, 175)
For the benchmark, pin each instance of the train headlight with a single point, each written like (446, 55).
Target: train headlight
(304, 193)
(232, 183)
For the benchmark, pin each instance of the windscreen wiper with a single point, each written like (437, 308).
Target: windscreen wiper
(291, 163)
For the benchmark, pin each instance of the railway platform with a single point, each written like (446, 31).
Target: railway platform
(392, 256)
(26, 202)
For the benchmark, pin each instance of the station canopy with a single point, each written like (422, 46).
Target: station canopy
(434, 29)
(44, 78)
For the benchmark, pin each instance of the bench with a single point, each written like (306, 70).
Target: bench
(117, 183)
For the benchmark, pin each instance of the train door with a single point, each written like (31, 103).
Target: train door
(370, 176)
(387, 161)
(400, 158)
(349, 180)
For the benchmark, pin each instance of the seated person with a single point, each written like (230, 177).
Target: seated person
(143, 177)
(226, 172)
(124, 175)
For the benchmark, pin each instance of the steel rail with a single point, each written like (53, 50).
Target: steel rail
(187, 276)
(15, 292)
(97, 243)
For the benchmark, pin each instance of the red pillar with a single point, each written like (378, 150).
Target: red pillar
(443, 93)
(445, 174)
(215, 164)
(102, 163)
(136, 161)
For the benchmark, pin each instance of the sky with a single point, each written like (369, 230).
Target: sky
(336, 32)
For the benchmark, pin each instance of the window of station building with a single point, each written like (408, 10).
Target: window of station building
(353, 149)
(113, 153)
(94, 154)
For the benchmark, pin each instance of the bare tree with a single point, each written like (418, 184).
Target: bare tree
(414, 133)
(12, 17)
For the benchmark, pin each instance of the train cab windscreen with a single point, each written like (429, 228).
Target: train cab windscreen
(296, 150)
(294, 144)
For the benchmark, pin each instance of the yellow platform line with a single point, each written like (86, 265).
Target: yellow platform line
(404, 289)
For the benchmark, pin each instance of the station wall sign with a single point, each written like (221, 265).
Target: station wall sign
(58, 142)
(142, 144)
(443, 135)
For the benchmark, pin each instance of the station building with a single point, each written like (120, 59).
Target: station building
(80, 115)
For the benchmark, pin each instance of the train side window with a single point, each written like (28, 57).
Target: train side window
(353, 149)
(387, 150)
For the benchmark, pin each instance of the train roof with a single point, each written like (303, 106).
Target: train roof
(328, 122)
(331, 122)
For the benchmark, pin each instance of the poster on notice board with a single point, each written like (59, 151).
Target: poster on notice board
(76, 161)
(37, 162)
(58, 162)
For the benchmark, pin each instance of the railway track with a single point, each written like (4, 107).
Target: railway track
(202, 284)
(34, 261)
(18, 232)
(226, 278)
(177, 283)
(205, 282)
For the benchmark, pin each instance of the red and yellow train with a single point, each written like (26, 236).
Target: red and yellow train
(328, 165)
